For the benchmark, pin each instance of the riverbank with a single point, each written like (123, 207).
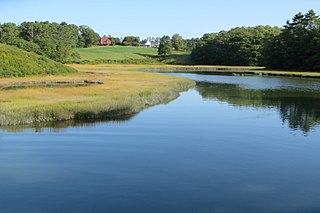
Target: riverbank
(103, 91)
(214, 70)
(235, 71)
(90, 94)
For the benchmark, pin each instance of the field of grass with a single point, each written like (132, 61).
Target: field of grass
(163, 67)
(15, 62)
(122, 93)
(115, 52)
(128, 55)
(220, 70)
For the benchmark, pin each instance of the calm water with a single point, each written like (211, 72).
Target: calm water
(232, 144)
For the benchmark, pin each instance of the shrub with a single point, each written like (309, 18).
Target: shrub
(15, 62)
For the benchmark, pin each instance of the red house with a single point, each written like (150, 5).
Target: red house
(105, 41)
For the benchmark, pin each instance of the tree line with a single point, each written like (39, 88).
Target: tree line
(238, 46)
(175, 43)
(296, 46)
(52, 40)
(126, 41)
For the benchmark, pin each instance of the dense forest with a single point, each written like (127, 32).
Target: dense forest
(238, 46)
(294, 47)
(297, 46)
(51, 40)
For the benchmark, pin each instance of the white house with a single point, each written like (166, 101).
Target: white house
(147, 44)
(155, 44)
(150, 44)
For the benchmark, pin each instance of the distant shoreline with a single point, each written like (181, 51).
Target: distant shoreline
(203, 69)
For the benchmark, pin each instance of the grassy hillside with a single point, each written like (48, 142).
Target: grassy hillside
(129, 55)
(15, 62)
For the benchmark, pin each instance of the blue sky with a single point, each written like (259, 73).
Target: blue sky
(189, 18)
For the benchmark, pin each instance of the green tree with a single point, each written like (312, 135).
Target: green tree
(298, 45)
(131, 41)
(9, 32)
(52, 40)
(165, 47)
(115, 40)
(177, 42)
(191, 43)
(238, 46)
(90, 37)
(27, 31)
(209, 36)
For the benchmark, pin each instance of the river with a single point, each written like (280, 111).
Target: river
(231, 144)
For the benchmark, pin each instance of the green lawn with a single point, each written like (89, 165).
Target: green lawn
(115, 53)
(129, 55)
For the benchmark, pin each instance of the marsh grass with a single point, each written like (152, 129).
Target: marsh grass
(123, 93)
(43, 86)
(223, 70)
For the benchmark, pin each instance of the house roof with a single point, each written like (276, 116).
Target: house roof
(105, 39)
(148, 43)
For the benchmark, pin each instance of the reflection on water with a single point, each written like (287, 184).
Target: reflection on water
(300, 108)
(220, 147)
(297, 100)
(62, 125)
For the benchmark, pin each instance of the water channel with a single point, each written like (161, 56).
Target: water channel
(231, 144)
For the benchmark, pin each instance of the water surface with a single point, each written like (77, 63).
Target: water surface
(232, 144)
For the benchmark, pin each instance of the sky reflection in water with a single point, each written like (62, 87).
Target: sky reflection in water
(225, 146)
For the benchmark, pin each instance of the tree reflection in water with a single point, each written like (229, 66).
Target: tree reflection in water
(300, 108)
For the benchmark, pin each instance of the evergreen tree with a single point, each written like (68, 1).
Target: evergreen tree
(298, 45)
